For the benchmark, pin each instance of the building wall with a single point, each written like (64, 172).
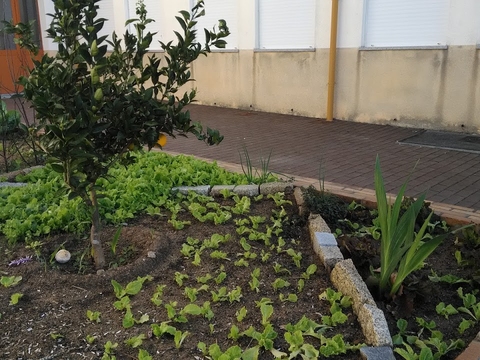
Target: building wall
(432, 87)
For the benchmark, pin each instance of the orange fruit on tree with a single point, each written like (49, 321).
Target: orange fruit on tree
(162, 140)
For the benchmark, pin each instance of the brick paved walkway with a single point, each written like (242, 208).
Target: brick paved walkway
(345, 150)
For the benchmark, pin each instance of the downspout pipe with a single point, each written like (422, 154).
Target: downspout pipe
(332, 60)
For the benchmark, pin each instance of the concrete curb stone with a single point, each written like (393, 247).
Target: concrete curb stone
(12, 184)
(374, 325)
(246, 190)
(216, 189)
(201, 190)
(274, 187)
(377, 353)
(346, 279)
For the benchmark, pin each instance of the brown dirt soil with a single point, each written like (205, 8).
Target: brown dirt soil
(420, 295)
(50, 321)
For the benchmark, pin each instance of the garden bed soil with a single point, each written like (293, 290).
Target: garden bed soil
(50, 321)
(419, 296)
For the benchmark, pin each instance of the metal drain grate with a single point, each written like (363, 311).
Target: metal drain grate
(445, 140)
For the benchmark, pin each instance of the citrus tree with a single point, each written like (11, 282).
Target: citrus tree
(93, 107)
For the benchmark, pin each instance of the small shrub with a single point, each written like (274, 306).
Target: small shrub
(328, 205)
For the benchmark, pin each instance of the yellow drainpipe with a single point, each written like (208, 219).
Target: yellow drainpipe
(332, 59)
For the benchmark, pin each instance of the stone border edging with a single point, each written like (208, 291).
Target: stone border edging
(345, 277)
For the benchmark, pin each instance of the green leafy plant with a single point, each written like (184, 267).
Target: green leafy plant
(296, 256)
(15, 298)
(90, 339)
(144, 355)
(448, 278)
(135, 341)
(401, 251)
(426, 338)
(290, 297)
(191, 293)
(253, 174)
(311, 269)
(9, 119)
(445, 310)
(280, 283)
(56, 336)
(337, 301)
(158, 294)
(279, 199)
(179, 277)
(179, 337)
(109, 350)
(93, 316)
(255, 282)
(266, 309)
(241, 313)
(132, 288)
(9, 281)
(93, 108)
(335, 346)
(116, 238)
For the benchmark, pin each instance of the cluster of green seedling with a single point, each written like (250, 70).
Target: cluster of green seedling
(425, 344)
(205, 294)
(428, 343)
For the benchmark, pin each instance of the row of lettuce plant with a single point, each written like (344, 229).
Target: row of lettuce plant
(42, 206)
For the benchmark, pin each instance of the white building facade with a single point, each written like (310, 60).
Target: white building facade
(405, 62)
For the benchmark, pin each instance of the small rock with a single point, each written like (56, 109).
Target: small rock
(151, 255)
(100, 272)
(62, 256)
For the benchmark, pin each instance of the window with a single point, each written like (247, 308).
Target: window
(405, 23)
(154, 11)
(106, 10)
(285, 24)
(6, 40)
(28, 12)
(214, 11)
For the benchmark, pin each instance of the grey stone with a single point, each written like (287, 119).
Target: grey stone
(151, 255)
(274, 187)
(377, 353)
(325, 239)
(11, 184)
(297, 193)
(346, 279)
(12, 175)
(374, 326)
(216, 189)
(329, 255)
(62, 256)
(202, 189)
(246, 190)
(317, 224)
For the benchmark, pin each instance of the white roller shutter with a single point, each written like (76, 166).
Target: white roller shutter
(214, 11)
(154, 11)
(286, 24)
(47, 42)
(395, 23)
(106, 10)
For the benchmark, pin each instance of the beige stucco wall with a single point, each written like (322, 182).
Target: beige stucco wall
(432, 88)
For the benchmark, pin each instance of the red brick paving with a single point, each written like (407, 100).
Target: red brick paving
(345, 150)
